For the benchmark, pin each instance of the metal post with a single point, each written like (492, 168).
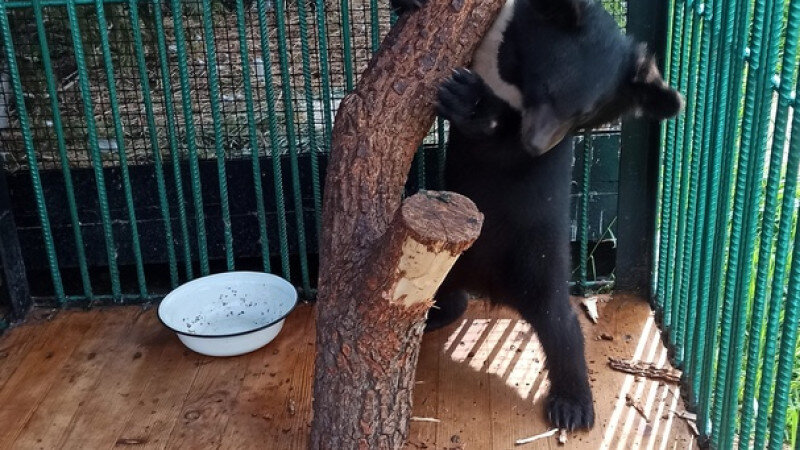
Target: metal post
(638, 174)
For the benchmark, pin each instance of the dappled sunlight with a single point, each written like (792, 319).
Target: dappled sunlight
(506, 348)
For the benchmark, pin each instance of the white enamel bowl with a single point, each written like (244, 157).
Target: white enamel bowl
(228, 314)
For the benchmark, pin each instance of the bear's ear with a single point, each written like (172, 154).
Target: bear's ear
(651, 94)
(563, 13)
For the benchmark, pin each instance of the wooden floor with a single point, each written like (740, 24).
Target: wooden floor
(116, 378)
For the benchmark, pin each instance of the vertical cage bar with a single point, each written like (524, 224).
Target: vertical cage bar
(291, 136)
(696, 220)
(94, 150)
(77, 235)
(120, 140)
(725, 145)
(441, 152)
(788, 348)
(788, 74)
(313, 148)
(153, 133)
(191, 144)
(213, 88)
(275, 150)
(688, 181)
(324, 72)
(697, 291)
(785, 229)
(347, 57)
(737, 281)
(583, 218)
(667, 212)
(169, 112)
(252, 134)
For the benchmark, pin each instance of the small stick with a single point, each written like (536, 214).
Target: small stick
(645, 369)
(425, 419)
(635, 405)
(528, 440)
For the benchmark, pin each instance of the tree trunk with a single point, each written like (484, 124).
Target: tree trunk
(380, 263)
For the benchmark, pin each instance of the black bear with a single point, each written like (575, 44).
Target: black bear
(545, 69)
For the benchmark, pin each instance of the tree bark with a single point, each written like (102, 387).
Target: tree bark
(380, 263)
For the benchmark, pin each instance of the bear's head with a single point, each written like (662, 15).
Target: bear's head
(575, 68)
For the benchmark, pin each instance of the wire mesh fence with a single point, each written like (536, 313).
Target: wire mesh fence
(728, 258)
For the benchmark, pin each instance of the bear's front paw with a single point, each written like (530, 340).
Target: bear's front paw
(459, 96)
(570, 411)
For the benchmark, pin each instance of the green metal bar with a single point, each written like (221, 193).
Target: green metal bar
(153, 132)
(291, 136)
(347, 57)
(324, 73)
(696, 220)
(791, 322)
(743, 229)
(191, 145)
(688, 184)
(664, 236)
(252, 135)
(213, 90)
(169, 111)
(272, 121)
(788, 74)
(788, 210)
(583, 217)
(120, 139)
(419, 161)
(38, 191)
(659, 244)
(673, 182)
(697, 290)
(374, 25)
(441, 152)
(310, 117)
(72, 204)
(94, 150)
(704, 354)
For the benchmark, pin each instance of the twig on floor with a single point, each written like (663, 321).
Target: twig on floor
(425, 419)
(590, 304)
(629, 401)
(528, 440)
(645, 369)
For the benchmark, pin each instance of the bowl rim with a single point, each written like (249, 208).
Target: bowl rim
(238, 333)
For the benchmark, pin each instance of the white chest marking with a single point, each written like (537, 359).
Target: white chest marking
(484, 63)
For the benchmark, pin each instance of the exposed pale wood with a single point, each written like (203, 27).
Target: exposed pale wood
(255, 408)
(76, 380)
(24, 391)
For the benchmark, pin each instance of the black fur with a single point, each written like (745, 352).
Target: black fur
(575, 69)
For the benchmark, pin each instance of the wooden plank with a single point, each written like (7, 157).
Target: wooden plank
(166, 381)
(463, 393)
(76, 379)
(426, 401)
(210, 402)
(98, 419)
(17, 342)
(269, 410)
(28, 385)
